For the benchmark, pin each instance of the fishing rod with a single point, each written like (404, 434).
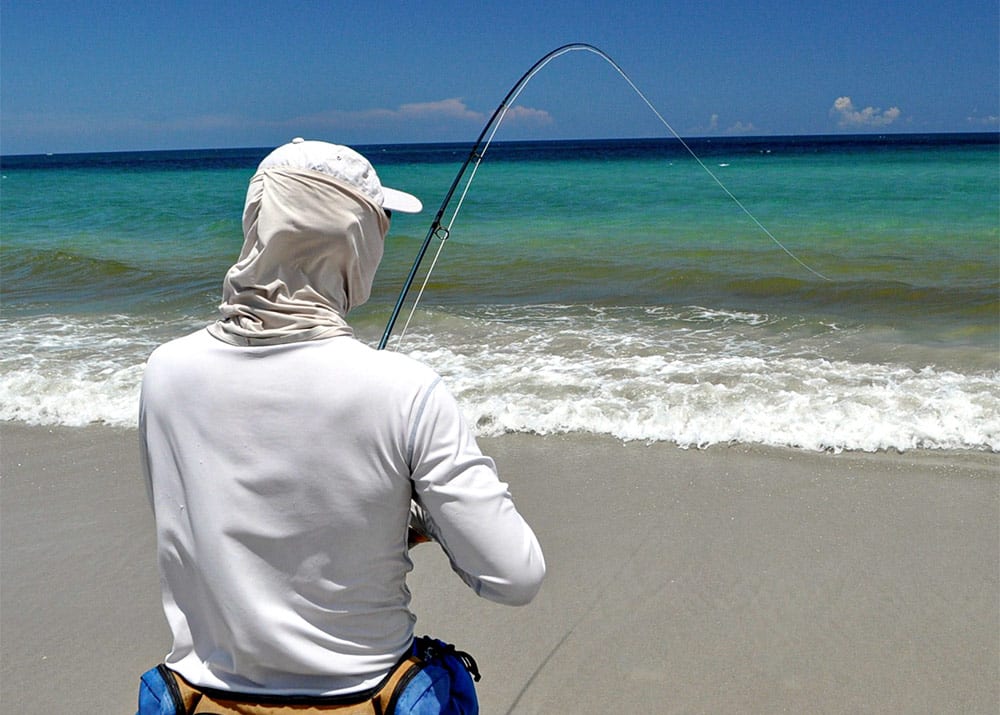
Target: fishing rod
(475, 157)
(478, 151)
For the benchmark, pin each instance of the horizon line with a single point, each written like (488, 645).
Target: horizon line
(667, 139)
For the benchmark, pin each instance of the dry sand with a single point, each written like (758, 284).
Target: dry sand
(726, 580)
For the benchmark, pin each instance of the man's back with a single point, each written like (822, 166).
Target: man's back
(281, 481)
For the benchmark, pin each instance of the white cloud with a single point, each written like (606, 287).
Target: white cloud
(713, 127)
(417, 111)
(702, 130)
(989, 121)
(527, 114)
(849, 116)
(417, 121)
(453, 109)
(444, 108)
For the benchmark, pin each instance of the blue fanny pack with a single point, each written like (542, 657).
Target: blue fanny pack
(432, 679)
(441, 683)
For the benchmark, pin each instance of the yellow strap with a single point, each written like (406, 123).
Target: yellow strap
(198, 703)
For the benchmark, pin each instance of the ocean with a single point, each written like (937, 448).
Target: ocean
(607, 287)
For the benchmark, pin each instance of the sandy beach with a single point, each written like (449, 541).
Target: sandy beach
(726, 580)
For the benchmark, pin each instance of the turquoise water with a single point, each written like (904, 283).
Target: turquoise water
(607, 287)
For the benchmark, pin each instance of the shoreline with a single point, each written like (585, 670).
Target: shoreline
(730, 578)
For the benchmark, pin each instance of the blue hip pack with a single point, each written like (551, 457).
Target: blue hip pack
(441, 684)
(432, 679)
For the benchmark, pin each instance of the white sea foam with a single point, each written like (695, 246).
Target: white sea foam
(815, 404)
(695, 377)
(692, 378)
(77, 371)
(74, 398)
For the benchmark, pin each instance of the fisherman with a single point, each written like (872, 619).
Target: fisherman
(291, 467)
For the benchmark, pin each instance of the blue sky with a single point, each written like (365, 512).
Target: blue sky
(108, 76)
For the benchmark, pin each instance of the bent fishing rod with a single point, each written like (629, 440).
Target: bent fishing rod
(478, 151)
(473, 159)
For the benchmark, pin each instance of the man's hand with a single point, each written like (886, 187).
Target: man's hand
(414, 537)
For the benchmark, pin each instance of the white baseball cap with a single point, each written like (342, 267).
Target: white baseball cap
(341, 163)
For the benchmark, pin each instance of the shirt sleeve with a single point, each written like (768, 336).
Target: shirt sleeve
(467, 509)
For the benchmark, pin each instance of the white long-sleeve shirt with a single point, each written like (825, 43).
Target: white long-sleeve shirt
(281, 479)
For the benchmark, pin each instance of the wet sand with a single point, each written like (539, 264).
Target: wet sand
(731, 579)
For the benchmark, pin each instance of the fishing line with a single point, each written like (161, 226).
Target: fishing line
(476, 156)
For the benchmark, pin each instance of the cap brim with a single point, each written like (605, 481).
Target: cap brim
(400, 201)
